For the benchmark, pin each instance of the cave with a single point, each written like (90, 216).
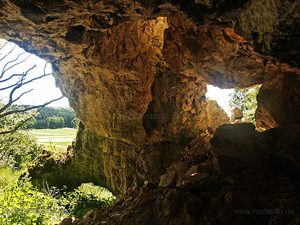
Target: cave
(136, 73)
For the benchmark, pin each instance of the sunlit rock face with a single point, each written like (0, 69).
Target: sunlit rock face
(136, 73)
(216, 116)
(279, 99)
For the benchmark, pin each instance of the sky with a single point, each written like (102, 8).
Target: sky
(43, 89)
(46, 90)
(221, 96)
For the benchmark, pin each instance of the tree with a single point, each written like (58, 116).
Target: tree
(17, 147)
(16, 82)
(245, 99)
(55, 122)
(66, 115)
(75, 123)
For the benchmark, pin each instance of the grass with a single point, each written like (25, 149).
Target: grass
(55, 139)
(9, 176)
(22, 203)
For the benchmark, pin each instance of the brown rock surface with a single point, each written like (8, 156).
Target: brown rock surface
(216, 115)
(278, 100)
(237, 146)
(136, 74)
(236, 113)
(259, 194)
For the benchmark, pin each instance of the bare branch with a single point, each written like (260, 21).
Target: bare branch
(18, 126)
(29, 108)
(6, 110)
(22, 95)
(13, 85)
(19, 84)
(8, 52)
(2, 46)
(37, 78)
(5, 70)
(14, 75)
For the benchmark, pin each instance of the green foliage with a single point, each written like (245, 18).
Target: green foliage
(75, 123)
(21, 203)
(10, 121)
(8, 176)
(245, 99)
(18, 149)
(55, 122)
(87, 197)
(55, 117)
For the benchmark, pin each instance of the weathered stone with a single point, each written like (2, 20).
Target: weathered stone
(286, 155)
(168, 179)
(236, 114)
(66, 221)
(245, 120)
(218, 56)
(136, 74)
(278, 99)
(216, 115)
(135, 81)
(236, 147)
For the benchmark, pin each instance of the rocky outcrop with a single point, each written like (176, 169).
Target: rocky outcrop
(237, 147)
(199, 189)
(237, 116)
(136, 74)
(216, 115)
(278, 99)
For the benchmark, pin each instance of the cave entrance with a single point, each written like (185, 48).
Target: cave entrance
(14, 61)
(26, 87)
(229, 99)
(221, 96)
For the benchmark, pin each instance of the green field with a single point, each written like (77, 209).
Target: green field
(55, 139)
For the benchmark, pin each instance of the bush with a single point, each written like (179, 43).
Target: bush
(18, 149)
(87, 197)
(21, 203)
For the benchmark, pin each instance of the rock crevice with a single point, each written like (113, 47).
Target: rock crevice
(136, 74)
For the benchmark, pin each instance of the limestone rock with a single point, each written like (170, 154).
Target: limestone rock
(236, 114)
(278, 99)
(245, 120)
(286, 156)
(216, 115)
(167, 179)
(66, 221)
(136, 73)
(236, 147)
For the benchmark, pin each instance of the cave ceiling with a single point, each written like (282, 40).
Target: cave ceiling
(117, 61)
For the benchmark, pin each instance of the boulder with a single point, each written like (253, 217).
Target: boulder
(216, 115)
(236, 114)
(237, 146)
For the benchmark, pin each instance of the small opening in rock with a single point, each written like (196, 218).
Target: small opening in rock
(16, 61)
(221, 96)
(239, 104)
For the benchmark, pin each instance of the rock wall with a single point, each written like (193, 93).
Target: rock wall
(216, 116)
(237, 176)
(136, 73)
